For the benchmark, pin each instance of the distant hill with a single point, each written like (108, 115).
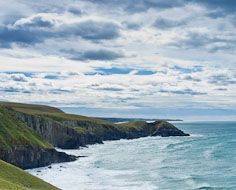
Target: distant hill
(117, 120)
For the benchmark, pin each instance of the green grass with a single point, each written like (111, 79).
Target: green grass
(15, 133)
(31, 108)
(13, 178)
(72, 117)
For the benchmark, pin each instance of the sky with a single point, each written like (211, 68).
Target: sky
(121, 58)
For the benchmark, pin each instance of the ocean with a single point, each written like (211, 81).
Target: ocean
(204, 160)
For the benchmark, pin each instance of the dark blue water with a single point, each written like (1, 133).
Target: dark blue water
(205, 160)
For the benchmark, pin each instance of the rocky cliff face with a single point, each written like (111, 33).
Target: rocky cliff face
(165, 129)
(59, 134)
(65, 133)
(22, 146)
(27, 157)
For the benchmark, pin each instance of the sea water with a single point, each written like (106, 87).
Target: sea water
(205, 160)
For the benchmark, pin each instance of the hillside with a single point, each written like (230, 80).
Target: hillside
(13, 178)
(14, 133)
(22, 146)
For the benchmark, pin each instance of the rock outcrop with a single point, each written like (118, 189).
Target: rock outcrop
(59, 134)
(27, 157)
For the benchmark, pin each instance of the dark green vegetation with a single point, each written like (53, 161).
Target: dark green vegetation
(13, 178)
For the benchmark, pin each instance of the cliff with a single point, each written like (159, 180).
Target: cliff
(22, 146)
(72, 131)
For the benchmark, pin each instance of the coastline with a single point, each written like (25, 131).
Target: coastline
(152, 163)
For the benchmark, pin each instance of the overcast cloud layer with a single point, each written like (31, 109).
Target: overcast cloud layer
(128, 58)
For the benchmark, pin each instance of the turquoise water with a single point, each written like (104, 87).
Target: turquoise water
(205, 160)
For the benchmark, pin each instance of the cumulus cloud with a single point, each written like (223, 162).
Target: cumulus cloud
(75, 10)
(35, 21)
(93, 30)
(41, 27)
(208, 41)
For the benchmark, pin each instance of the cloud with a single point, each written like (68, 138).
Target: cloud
(10, 89)
(228, 6)
(110, 89)
(60, 91)
(132, 25)
(19, 77)
(27, 30)
(99, 55)
(139, 5)
(222, 80)
(163, 23)
(207, 40)
(190, 78)
(9, 35)
(183, 92)
(187, 70)
(41, 21)
(94, 30)
(38, 28)
(52, 76)
(75, 10)
(222, 89)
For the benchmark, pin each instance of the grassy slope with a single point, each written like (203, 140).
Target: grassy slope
(14, 132)
(13, 178)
